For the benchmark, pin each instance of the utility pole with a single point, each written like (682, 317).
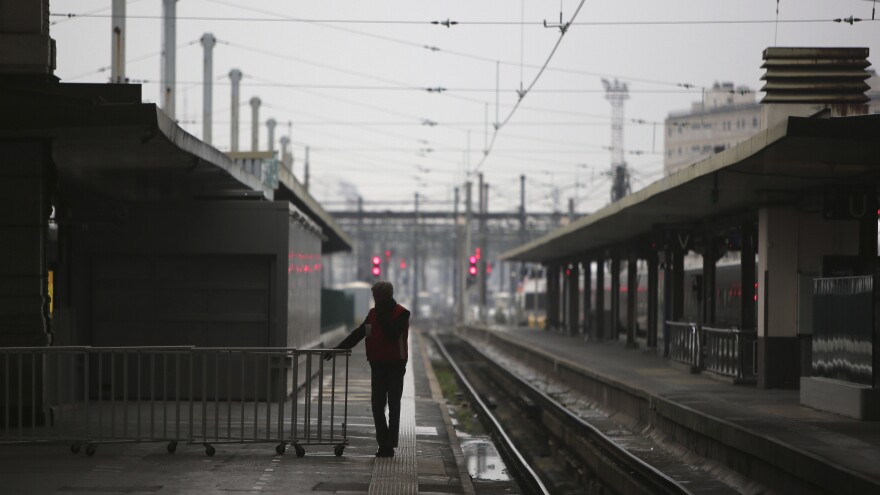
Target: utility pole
(306, 171)
(522, 231)
(466, 252)
(484, 247)
(456, 253)
(416, 260)
(360, 271)
(617, 93)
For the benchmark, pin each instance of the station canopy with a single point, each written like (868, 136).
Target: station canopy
(104, 140)
(777, 166)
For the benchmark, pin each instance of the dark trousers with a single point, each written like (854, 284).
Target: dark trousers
(387, 388)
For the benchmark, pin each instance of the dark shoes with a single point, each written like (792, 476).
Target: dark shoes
(385, 452)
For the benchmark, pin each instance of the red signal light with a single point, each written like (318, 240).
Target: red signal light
(472, 270)
(473, 260)
(376, 271)
(376, 260)
(403, 264)
(477, 253)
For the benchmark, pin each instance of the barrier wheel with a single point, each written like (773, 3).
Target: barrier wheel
(90, 449)
(281, 448)
(300, 452)
(338, 450)
(74, 448)
(171, 447)
(210, 450)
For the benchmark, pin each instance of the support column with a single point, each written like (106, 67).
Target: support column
(668, 295)
(710, 253)
(778, 351)
(26, 185)
(599, 332)
(631, 292)
(550, 295)
(677, 284)
(615, 296)
(747, 277)
(653, 276)
(588, 296)
(574, 302)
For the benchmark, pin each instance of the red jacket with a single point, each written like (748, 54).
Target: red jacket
(379, 346)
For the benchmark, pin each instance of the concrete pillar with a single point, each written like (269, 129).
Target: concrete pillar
(668, 296)
(26, 184)
(26, 50)
(599, 332)
(574, 295)
(747, 276)
(778, 354)
(653, 299)
(588, 296)
(677, 284)
(615, 296)
(709, 258)
(632, 290)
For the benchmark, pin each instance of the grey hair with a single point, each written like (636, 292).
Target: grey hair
(384, 287)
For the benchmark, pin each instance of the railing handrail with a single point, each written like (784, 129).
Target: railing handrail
(682, 323)
(732, 330)
(172, 349)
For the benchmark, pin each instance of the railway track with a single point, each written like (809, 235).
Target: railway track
(547, 448)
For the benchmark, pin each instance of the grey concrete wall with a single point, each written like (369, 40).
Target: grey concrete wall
(250, 241)
(302, 274)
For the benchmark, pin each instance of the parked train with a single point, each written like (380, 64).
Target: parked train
(531, 297)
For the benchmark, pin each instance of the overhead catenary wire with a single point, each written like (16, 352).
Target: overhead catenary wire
(524, 92)
(678, 22)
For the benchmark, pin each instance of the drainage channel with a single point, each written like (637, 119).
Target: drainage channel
(567, 452)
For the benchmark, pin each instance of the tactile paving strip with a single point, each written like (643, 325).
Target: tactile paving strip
(399, 474)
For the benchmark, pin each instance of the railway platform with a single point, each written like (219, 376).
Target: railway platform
(428, 460)
(763, 434)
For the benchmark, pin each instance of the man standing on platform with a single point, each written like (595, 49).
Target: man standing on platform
(386, 329)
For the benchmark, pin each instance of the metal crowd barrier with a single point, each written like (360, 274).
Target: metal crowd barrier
(85, 396)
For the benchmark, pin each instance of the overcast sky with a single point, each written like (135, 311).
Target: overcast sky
(355, 92)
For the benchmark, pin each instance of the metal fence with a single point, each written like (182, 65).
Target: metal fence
(86, 396)
(730, 352)
(684, 344)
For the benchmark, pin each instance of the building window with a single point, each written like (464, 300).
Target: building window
(754, 121)
(679, 129)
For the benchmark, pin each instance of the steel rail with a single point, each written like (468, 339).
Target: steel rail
(650, 478)
(527, 474)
